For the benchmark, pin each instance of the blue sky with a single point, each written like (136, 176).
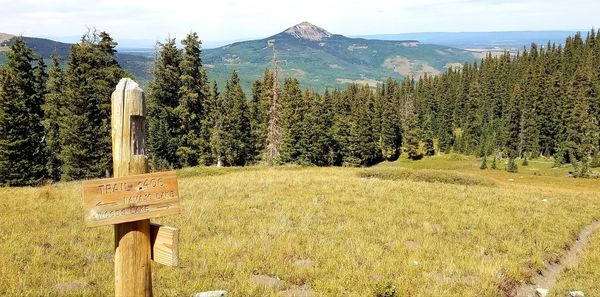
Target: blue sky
(237, 20)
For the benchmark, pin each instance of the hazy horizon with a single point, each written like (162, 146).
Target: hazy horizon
(208, 44)
(227, 21)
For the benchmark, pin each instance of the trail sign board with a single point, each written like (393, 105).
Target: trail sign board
(130, 198)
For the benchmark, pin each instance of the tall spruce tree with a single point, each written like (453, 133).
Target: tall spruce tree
(510, 123)
(390, 135)
(318, 119)
(363, 150)
(231, 138)
(409, 119)
(85, 134)
(444, 120)
(260, 118)
(473, 126)
(257, 126)
(215, 121)
(194, 144)
(52, 117)
(164, 125)
(582, 132)
(341, 125)
(292, 113)
(22, 149)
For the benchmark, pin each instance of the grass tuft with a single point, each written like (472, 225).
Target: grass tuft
(385, 288)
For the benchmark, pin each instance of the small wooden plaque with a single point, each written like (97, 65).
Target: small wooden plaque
(130, 198)
(164, 241)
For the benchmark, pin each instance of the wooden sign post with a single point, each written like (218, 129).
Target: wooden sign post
(132, 197)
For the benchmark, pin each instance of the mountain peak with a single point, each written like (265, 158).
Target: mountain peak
(308, 31)
(5, 37)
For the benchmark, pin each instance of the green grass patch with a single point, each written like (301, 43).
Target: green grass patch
(204, 171)
(427, 175)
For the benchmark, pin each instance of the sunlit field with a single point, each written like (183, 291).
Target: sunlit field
(448, 230)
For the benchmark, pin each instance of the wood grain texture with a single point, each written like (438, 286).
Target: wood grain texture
(165, 244)
(130, 198)
(133, 276)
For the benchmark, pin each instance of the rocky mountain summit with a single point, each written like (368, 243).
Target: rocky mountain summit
(308, 31)
(322, 60)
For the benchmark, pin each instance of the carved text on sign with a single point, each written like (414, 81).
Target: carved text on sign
(130, 198)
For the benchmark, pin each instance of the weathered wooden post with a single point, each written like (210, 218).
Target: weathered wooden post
(131, 198)
(133, 275)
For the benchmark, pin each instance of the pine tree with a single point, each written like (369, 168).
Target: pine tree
(428, 148)
(319, 139)
(208, 122)
(444, 121)
(193, 91)
(390, 134)
(258, 127)
(41, 79)
(409, 119)
(511, 166)
(551, 111)
(582, 131)
(292, 113)
(580, 169)
(163, 99)
(363, 147)
(428, 109)
(231, 138)
(22, 149)
(355, 141)
(303, 145)
(484, 163)
(473, 125)
(529, 127)
(510, 122)
(217, 134)
(340, 129)
(52, 117)
(85, 134)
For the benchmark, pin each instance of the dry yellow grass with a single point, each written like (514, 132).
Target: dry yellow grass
(350, 233)
(585, 275)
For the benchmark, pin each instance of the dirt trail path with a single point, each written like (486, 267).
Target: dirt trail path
(549, 275)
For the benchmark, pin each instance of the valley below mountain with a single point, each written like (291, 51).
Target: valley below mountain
(316, 57)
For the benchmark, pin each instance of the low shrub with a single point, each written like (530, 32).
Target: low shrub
(385, 288)
(511, 166)
(483, 164)
(429, 148)
(414, 153)
(581, 169)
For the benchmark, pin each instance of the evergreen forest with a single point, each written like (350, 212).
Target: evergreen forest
(543, 102)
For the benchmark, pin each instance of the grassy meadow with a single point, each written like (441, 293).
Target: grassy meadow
(584, 276)
(448, 230)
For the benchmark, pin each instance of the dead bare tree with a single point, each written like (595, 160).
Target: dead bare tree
(274, 130)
